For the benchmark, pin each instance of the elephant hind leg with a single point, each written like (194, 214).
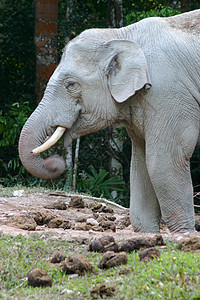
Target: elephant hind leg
(173, 187)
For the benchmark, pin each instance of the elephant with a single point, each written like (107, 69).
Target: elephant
(144, 77)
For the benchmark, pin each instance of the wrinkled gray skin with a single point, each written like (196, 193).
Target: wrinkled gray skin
(145, 77)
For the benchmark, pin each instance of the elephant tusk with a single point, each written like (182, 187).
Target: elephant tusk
(51, 141)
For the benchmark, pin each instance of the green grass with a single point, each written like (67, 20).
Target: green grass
(176, 275)
(8, 191)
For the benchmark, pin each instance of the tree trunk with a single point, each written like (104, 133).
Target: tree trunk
(115, 19)
(69, 165)
(75, 165)
(46, 16)
(115, 13)
(116, 146)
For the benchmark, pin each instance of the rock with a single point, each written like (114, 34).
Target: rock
(59, 223)
(142, 242)
(77, 202)
(67, 291)
(38, 278)
(149, 254)
(92, 221)
(58, 257)
(60, 204)
(190, 245)
(77, 264)
(111, 259)
(103, 291)
(18, 193)
(108, 225)
(23, 222)
(103, 244)
(197, 222)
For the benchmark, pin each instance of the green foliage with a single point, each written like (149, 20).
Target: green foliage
(17, 55)
(80, 15)
(98, 184)
(11, 123)
(17, 76)
(159, 11)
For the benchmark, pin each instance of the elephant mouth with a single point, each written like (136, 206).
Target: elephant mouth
(58, 133)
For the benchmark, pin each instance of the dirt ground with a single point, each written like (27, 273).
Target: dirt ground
(70, 217)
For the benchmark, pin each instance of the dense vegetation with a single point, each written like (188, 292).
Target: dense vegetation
(18, 99)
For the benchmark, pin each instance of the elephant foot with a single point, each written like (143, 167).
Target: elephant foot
(144, 227)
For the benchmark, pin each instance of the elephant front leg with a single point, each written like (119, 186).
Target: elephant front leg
(144, 207)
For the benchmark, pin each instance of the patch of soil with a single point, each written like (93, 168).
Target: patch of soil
(77, 218)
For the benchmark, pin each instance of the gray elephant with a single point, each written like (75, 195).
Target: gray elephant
(145, 77)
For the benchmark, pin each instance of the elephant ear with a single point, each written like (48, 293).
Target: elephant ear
(126, 70)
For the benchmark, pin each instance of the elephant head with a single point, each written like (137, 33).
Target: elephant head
(96, 74)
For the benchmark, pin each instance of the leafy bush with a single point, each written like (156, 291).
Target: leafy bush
(17, 76)
(98, 184)
(159, 11)
(17, 52)
(11, 123)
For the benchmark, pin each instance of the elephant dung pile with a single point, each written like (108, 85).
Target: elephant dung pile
(77, 213)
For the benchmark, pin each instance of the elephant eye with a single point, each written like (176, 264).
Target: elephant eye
(72, 87)
(70, 84)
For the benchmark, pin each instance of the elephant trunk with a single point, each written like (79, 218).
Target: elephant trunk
(32, 137)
